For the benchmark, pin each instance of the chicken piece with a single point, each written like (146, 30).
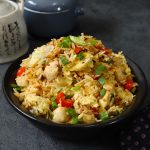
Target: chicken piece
(60, 115)
(22, 81)
(51, 71)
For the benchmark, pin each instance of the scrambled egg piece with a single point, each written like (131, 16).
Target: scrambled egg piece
(39, 105)
(39, 54)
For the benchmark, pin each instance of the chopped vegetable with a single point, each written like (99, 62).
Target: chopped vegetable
(93, 42)
(20, 71)
(99, 69)
(75, 120)
(102, 80)
(64, 60)
(76, 88)
(53, 98)
(128, 85)
(66, 42)
(67, 103)
(77, 50)
(54, 105)
(60, 97)
(80, 56)
(71, 112)
(103, 92)
(68, 96)
(77, 40)
(16, 87)
(104, 116)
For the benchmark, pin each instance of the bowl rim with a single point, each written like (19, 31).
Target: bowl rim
(131, 111)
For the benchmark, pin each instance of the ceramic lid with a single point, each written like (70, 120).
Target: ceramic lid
(50, 5)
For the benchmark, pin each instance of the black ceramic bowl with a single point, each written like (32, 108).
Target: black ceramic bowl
(79, 129)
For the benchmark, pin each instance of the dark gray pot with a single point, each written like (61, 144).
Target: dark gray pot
(48, 20)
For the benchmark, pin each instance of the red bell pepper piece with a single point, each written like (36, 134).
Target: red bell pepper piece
(67, 103)
(20, 71)
(129, 84)
(77, 50)
(60, 97)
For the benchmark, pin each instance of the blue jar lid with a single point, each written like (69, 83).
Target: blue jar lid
(50, 5)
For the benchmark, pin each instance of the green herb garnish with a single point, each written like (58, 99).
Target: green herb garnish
(71, 112)
(54, 105)
(80, 56)
(93, 42)
(75, 120)
(103, 92)
(104, 116)
(64, 60)
(99, 69)
(76, 88)
(102, 80)
(16, 87)
(65, 43)
(53, 98)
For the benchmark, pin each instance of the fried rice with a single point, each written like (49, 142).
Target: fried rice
(75, 79)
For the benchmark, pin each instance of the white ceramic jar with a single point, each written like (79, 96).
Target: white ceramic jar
(13, 32)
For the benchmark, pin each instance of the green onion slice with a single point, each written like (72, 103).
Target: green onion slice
(53, 98)
(93, 42)
(71, 112)
(103, 92)
(54, 104)
(99, 69)
(80, 56)
(75, 120)
(104, 116)
(76, 88)
(64, 60)
(16, 87)
(102, 80)
(66, 42)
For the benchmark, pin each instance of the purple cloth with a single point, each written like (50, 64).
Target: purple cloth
(136, 136)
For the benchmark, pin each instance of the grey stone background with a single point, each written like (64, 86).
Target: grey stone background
(121, 25)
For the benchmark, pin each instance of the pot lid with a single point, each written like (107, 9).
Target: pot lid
(50, 5)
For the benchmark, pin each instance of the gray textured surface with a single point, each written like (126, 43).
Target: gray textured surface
(122, 25)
